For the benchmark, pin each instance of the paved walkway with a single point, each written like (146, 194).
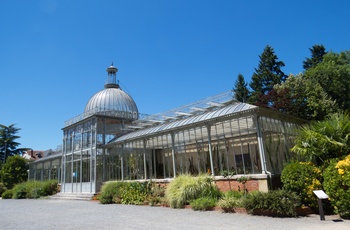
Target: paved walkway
(64, 214)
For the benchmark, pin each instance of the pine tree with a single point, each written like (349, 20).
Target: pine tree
(8, 145)
(241, 92)
(317, 53)
(266, 75)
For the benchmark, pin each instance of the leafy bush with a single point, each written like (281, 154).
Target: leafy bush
(282, 202)
(231, 200)
(324, 140)
(2, 188)
(124, 193)
(203, 203)
(110, 192)
(8, 194)
(157, 195)
(302, 178)
(19, 191)
(35, 189)
(14, 171)
(185, 188)
(50, 187)
(134, 193)
(337, 185)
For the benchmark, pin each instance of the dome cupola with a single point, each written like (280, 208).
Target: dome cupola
(112, 100)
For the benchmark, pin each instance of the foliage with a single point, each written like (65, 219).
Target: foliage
(50, 187)
(134, 193)
(231, 200)
(333, 74)
(241, 92)
(8, 144)
(302, 97)
(337, 185)
(282, 202)
(302, 178)
(8, 194)
(185, 188)
(228, 173)
(111, 192)
(124, 193)
(266, 75)
(35, 189)
(203, 204)
(14, 171)
(317, 53)
(157, 196)
(323, 140)
(20, 191)
(2, 188)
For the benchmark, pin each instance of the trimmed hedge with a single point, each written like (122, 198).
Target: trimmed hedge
(280, 202)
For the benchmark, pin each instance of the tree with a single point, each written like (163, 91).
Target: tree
(14, 171)
(302, 97)
(241, 92)
(266, 75)
(8, 145)
(333, 74)
(317, 53)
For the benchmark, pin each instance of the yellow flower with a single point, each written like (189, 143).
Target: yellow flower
(341, 171)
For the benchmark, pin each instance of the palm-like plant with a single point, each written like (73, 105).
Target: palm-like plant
(8, 145)
(323, 140)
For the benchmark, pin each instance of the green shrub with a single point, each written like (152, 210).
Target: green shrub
(203, 203)
(337, 185)
(302, 178)
(34, 189)
(19, 191)
(124, 193)
(14, 171)
(157, 195)
(281, 202)
(231, 200)
(110, 192)
(134, 193)
(2, 188)
(185, 188)
(50, 187)
(8, 194)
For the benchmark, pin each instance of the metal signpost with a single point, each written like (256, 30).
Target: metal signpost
(320, 196)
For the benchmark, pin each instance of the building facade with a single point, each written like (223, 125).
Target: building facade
(111, 140)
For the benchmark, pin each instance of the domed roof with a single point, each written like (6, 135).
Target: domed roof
(112, 100)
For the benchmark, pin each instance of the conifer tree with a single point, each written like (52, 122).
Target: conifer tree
(267, 75)
(241, 91)
(317, 53)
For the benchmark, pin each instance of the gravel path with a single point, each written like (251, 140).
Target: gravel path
(64, 214)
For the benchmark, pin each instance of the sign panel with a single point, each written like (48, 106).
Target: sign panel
(321, 194)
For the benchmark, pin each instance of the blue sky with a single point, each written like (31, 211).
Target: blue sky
(54, 53)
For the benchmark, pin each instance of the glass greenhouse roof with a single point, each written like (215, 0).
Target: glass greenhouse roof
(213, 110)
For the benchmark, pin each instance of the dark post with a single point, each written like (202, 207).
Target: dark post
(320, 195)
(320, 209)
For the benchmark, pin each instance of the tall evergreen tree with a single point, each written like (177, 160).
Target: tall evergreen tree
(8, 144)
(266, 75)
(317, 53)
(241, 91)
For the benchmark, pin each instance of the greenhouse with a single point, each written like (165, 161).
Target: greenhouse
(111, 140)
